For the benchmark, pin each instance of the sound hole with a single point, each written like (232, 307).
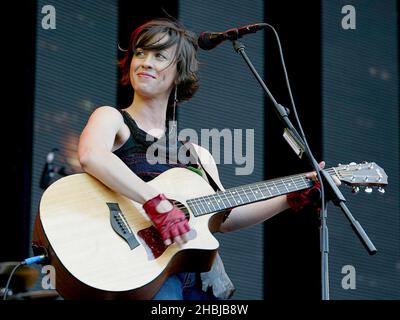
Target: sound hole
(182, 207)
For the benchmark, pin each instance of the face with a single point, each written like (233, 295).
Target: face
(153, 73)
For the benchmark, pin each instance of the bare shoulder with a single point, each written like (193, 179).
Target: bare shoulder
(103, 127)
(106, 118)
(107, 112)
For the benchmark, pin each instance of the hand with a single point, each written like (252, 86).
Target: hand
(168, 220)
(298, 200)
(313, 175)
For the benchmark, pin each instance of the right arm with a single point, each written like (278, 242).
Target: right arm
(96, 143)
(105, 126)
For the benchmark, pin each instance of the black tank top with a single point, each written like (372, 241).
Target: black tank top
(160, 156)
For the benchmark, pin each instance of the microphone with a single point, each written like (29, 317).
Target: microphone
(209, 40)
(48, 170)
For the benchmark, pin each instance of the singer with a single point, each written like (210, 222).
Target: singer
(161, 65)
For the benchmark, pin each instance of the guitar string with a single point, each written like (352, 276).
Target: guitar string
(263, 186)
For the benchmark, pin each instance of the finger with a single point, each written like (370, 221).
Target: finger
(312, 175)
(322, 164)
(185, 237)
(178, 240)
(183, 229)
(167, 242)
(174, 231)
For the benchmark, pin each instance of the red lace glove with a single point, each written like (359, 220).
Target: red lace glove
(171, 223)
(311, 196)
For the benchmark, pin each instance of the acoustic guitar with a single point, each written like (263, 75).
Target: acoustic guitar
(102, 245)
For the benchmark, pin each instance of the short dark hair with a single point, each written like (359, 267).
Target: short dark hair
(185, 55)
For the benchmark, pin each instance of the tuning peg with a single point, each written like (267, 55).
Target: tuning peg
(356, 189)
(381, 190)
(368, 190)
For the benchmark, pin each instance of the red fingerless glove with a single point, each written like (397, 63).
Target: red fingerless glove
(171, 223)
(298, 200)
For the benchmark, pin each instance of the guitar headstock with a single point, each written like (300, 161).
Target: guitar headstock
(365, 174)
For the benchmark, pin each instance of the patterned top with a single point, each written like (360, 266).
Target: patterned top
(148, 157)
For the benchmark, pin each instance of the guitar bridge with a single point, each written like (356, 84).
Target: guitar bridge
(120, 225)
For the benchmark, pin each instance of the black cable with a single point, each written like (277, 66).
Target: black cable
(307, 149)
(9, 280)
(323, 216)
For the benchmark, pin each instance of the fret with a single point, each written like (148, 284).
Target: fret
(215, 202)
(252, 194)
(195, 208)
(201, 208)
(257, 193)
(191, 206)
(209, 201)
(245, 193)
(296, 182)
(309, 182)
(207, 204)
(302, 182)
(212, 200)
(282, 187)
(263, 196)
(284, 184)
(230, 204)
(276, 188)
(227, 200)
(201, 202)
(234, 198)
(221, 204)
(240, 196)
(292, 183)
(287, 184)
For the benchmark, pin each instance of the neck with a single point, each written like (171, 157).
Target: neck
(149, 113)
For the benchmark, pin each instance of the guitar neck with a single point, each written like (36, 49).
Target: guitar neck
(250, 193)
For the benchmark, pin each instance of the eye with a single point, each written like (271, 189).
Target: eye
(138, 53)
(161, 56)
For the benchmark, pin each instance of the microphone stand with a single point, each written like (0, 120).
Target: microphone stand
(325, 179)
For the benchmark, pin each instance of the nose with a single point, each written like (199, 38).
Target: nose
(148, 62)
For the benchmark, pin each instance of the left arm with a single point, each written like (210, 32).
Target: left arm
(246, 215)
(254, 213)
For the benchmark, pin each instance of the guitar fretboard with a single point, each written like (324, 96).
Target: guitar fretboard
(238, 196)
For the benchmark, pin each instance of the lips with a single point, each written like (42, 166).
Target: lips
(145, 75)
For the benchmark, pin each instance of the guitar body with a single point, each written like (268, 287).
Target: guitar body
(92, 261)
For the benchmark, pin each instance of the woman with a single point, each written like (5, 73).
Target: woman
(161, 65)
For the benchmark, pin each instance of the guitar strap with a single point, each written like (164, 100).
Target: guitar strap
(193, 153)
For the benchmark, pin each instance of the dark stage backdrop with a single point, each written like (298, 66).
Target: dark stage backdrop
(352, 74)
(361, 122)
